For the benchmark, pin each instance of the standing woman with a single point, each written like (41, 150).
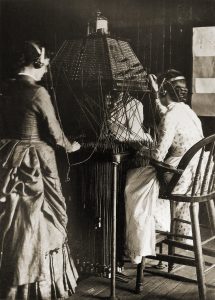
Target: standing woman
(178, 131)
(35, 261)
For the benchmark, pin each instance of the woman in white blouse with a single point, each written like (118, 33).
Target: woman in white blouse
(179, 129)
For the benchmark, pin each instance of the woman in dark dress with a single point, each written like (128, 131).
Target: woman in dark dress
(35, 261)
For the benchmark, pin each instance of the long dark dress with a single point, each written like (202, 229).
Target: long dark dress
(35, 260)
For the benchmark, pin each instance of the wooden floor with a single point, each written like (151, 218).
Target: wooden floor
(155, 287)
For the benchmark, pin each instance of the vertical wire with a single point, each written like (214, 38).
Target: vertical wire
(164, 38)
(144, 49)
(138, 36)
(150, 47)
(170, 45)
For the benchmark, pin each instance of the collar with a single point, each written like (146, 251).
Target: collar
(171, 105)
(27, 74)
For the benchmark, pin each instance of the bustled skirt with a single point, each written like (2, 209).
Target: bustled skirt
(35, 258)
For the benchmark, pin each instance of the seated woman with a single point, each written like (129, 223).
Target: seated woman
(35, 262)
(179, 129)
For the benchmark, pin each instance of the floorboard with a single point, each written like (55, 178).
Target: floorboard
(155, 287)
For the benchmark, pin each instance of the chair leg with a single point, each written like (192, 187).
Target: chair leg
(198, 251)
(171, 249)
(160, 264)
(140, 276)
(211, 214)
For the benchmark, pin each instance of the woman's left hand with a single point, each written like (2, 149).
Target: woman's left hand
(75, 146)
(153, 82)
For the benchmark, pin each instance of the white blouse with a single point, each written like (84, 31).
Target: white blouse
(179, 129)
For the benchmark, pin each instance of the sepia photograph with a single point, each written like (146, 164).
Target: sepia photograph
(107, 149)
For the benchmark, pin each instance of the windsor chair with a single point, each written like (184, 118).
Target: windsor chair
(202, 191)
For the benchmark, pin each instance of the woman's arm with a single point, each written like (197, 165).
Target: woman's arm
(159, 107)
(166, 134)
(44, 107)
(154, 86)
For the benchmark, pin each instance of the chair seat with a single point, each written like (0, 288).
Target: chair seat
(160, 238)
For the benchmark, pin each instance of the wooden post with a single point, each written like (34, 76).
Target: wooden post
(113, 246)
(116, 160)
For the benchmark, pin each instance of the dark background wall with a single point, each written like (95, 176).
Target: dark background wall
(160, 31)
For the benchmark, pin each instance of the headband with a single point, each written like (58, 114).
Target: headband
(177, 78)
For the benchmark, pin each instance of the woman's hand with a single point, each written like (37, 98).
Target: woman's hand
(153, 83)
(75, 146)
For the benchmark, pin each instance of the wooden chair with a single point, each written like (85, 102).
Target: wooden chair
(202, 191)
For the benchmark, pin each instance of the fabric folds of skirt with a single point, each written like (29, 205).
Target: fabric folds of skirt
(60, 283)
